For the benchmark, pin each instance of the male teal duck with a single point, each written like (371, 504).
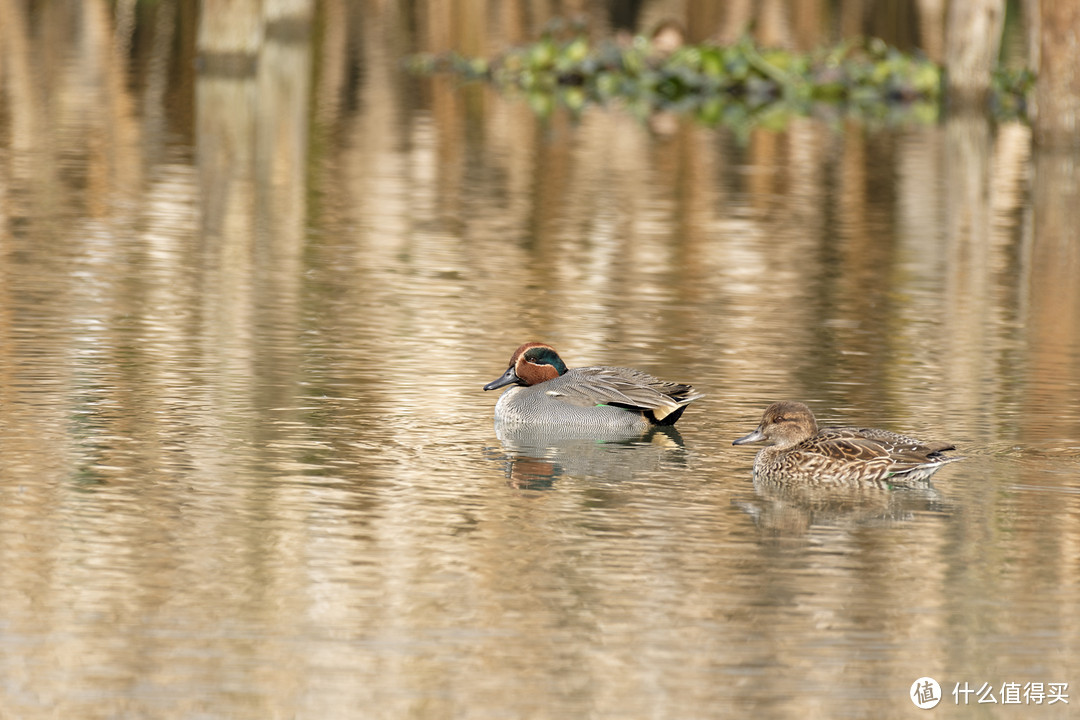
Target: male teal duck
(803, 452)
(545, 392)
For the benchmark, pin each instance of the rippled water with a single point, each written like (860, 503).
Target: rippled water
(247, 468)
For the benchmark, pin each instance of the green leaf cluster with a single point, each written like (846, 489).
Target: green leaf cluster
(740, 84)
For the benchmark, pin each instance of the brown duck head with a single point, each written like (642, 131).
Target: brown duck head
(531, 364)
(783, 423)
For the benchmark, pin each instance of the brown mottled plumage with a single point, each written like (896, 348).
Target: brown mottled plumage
(546, 392)
(802, 452)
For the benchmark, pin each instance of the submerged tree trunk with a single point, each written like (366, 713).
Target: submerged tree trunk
(972, 40)
(1057, 88)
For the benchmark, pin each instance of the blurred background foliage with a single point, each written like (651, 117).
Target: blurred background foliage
(741, 84)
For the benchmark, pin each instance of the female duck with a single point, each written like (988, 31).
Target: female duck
(800, 451)
(545, 392)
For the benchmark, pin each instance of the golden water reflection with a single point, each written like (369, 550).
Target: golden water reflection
(251, 290)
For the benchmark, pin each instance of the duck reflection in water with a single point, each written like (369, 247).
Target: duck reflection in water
(785, 509)
(536, 456)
